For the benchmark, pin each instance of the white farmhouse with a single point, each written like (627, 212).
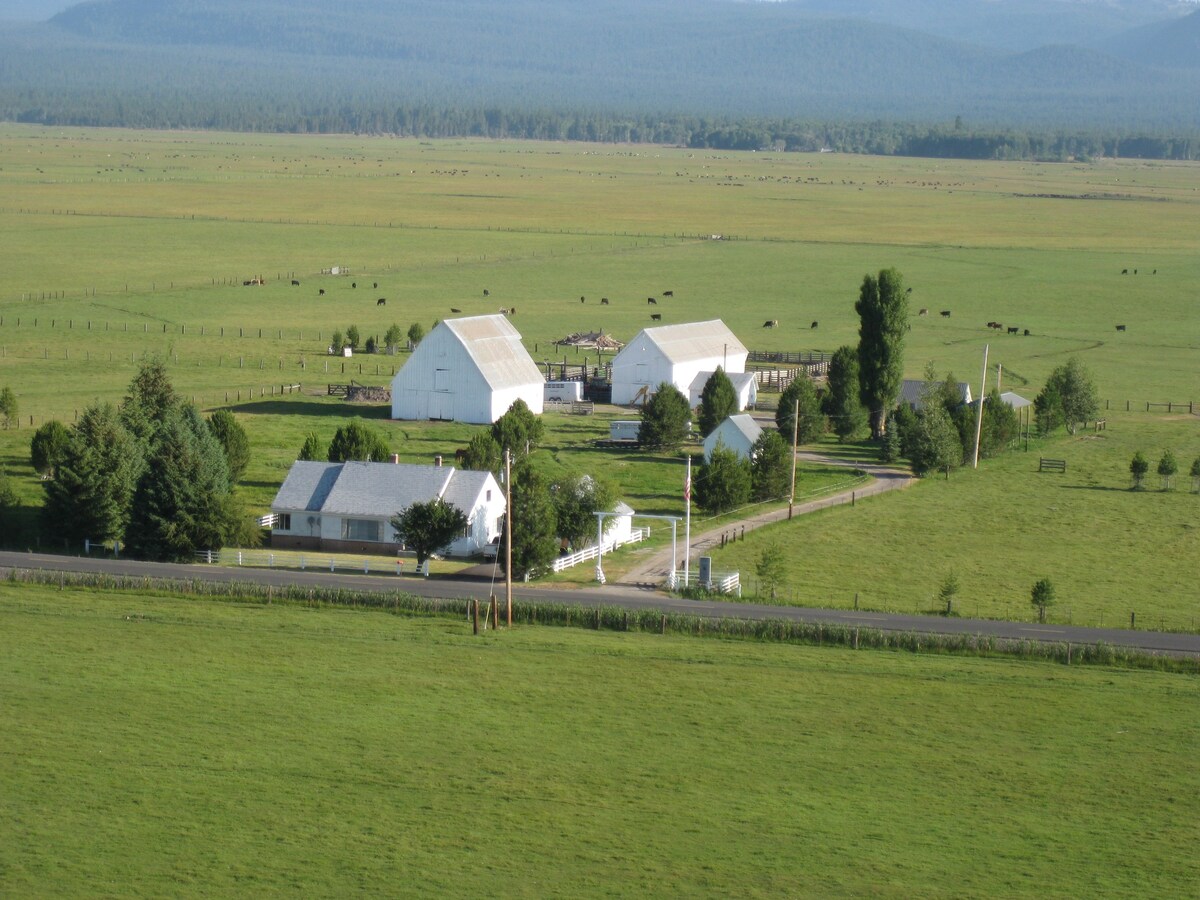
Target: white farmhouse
(738, 433)
(674, 354)
(913, 389)
(745, 388)
(467, 370)
(346, 507)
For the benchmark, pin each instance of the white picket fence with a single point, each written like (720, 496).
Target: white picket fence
(378, 565)
(721, 582)
(574, 559)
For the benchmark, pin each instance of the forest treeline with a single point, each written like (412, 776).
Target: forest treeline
(949, 141)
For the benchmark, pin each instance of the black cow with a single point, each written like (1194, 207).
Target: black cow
(770, 323)
(382, 301)
(813, 325)
(1120, 328)
(486, 292)
(650, 301)
(668, 293)
(945, 314)
(655, 317)
(295, 283)
(321, 292)
(375, 285)
(1026, 332)
(354, 284)
(455, 309)
(583, 299)
(1012, 330)
(604, 301)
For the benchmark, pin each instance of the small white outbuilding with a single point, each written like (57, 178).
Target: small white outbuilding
(467, 370)
(738, 433)
(675, 354)
(745, 388)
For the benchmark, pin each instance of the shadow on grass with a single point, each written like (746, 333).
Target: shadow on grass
(1099, 487)
(312, 408)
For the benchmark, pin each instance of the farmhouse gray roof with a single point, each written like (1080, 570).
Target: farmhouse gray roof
(746, 425)
(495, 346)
(374, 490)
(695, 340)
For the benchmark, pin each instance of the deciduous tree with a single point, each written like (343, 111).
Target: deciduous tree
(1167, 468)
(1042, 597)
(1069, 397)
(9, 409)
(416, 333)
(1138, 467)
(357, 441)
(770, 568)
(882, 308)
(577, 499)
(426, 528)
(534, 543)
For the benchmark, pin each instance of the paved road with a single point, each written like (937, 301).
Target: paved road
(655, 569)
(613, 595)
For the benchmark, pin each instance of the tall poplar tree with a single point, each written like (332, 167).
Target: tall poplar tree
(882, 308)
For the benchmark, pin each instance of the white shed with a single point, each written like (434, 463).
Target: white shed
(738, 433)
(467, 370)
(745, 387)
(347, 507)
(674, 354)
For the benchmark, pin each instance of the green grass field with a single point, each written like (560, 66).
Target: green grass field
(121, 243)
(157, 746)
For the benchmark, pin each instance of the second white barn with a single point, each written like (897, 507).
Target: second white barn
(675, 354)
(467, 370)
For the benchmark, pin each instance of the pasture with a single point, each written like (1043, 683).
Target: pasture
(201, 747)
(121, 243)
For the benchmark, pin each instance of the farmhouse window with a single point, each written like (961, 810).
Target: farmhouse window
(285, 522)
(441, 379)
(360, 530)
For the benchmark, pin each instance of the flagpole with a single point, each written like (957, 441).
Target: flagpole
(687, 521)
(979, 418)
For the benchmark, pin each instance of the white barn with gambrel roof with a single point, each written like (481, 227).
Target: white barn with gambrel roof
(675, 354)
(467, 370)
(347, 507)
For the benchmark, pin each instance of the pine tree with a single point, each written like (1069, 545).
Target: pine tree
(812, 420)
(518, 430)
(770, 467)
(95, 479)
(47, 446)
(718, 401)
(357, 441)
(182, 502)
(723, 482)
(234, 442)
(665, 419)
(312, 449)
(534, 543)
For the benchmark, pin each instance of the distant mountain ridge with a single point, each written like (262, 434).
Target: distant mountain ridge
(803, 58)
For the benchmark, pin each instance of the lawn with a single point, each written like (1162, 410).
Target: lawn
(165, 746)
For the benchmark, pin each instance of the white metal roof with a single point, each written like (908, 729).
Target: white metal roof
(694, 340)
(495, 346)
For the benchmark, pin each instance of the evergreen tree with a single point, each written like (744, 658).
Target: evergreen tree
(518, 430)
(936, 445)
(770, 467)
(426, 528)
(1167, 467)
(357, 441)
(812, 420)
(336, 343)
(416, 333)
(182, 501)
(151, 401)
(47, 446)
(723, 482)
(312, 449)
(846, 414)
(718, 401)
(882, 308)
(666, 418)
(234, 442)
(1138, 467)
(95, 479)
(534, 543)
(999, 427)
(9, 504)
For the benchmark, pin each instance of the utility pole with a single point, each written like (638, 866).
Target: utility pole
(979, 418)
(795, 445)
(508, 534)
